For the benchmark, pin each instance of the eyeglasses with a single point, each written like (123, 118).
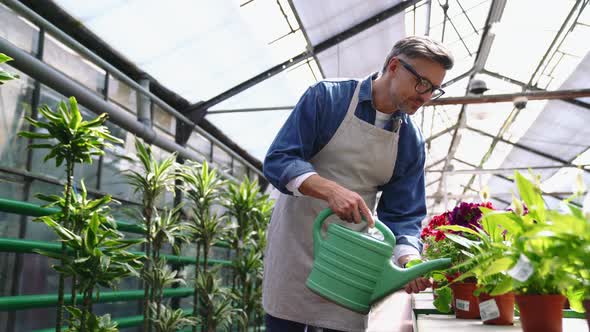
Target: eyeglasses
(423, 85)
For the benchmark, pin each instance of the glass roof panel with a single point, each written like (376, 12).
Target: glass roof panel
(470, 146)
(197, 49)
(520, 43)
(254, 131)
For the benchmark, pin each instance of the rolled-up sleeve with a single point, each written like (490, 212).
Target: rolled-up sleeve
(402, 205)
(294, 145)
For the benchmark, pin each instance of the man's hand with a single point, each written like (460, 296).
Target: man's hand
(346, 204)
(418, 285)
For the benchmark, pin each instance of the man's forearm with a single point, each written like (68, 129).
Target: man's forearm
(317, 187)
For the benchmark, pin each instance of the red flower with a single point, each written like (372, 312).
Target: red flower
(430, 229)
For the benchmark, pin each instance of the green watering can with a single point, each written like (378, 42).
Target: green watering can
(355, 270)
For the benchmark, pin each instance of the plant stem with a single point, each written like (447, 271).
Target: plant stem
(196, 292)
(205, 263)
(85, 309)
(65, 222)
(147, 212)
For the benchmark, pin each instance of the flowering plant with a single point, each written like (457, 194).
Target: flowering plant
(440, 240)
(436, 241)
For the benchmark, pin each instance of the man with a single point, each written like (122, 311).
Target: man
(344, 142)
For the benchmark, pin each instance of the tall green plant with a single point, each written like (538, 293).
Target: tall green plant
(203, 189)
(217, 303)
(72, 140)
(151, 182)
(250, 212)
(168, 228)
(170, 320)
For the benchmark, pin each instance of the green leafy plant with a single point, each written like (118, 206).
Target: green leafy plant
(71, 139)
(250, 212)
(93, 323)
(160, 276)
(540, 252)
(170, 320)
(99, 258)
(4, 75)
(152, 181)
(217, 302)
(203, 189)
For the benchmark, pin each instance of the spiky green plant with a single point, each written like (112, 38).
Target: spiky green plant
(241, 200)
(152, 181)
(158, 277)
(170, 320)
(168, 227)
(93, 323)
(73, 140)
(98, 258)
(4, 75)
(250, 212)
(217, 303)
(203, 188)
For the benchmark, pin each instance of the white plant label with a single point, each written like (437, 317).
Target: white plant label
(522, 270)
(462, 305)
(489, 310)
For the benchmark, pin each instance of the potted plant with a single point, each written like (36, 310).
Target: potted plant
(486, 256)
(437, 237)
(536, 258)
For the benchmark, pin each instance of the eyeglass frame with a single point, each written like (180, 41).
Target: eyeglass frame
(420, 80)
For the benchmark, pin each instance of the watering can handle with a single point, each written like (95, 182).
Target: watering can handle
(319, 222)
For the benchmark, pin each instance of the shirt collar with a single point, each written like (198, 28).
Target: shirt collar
(366, 92)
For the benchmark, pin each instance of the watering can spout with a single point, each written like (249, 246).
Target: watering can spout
(395, 278)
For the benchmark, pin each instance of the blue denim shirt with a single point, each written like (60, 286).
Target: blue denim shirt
(314, 121)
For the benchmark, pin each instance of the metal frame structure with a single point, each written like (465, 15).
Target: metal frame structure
(197, 111)
(47, 26)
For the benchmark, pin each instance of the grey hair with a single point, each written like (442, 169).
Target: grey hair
(421, 47)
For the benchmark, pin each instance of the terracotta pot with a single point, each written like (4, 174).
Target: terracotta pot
(541, 312)
(465, 304)
(501, 306)
(587, 307)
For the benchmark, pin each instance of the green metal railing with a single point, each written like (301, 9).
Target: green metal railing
(30, 247)
(23, 302)
(124, 322)
(34, 210)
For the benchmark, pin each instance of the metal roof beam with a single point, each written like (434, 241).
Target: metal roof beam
(196, 112)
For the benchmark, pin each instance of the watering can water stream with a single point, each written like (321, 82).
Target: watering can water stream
(355, 270)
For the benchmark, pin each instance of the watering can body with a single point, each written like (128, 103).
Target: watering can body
(355, 270)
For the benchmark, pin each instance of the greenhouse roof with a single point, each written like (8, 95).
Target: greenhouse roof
(243, 65)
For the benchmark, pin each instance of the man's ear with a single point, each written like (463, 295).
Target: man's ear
(393, 65)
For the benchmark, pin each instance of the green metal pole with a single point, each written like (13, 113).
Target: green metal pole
(30, 247)
(122, 322)
(21, 302)
(34, 210)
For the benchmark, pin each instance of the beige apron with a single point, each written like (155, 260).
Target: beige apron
(359, 157)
